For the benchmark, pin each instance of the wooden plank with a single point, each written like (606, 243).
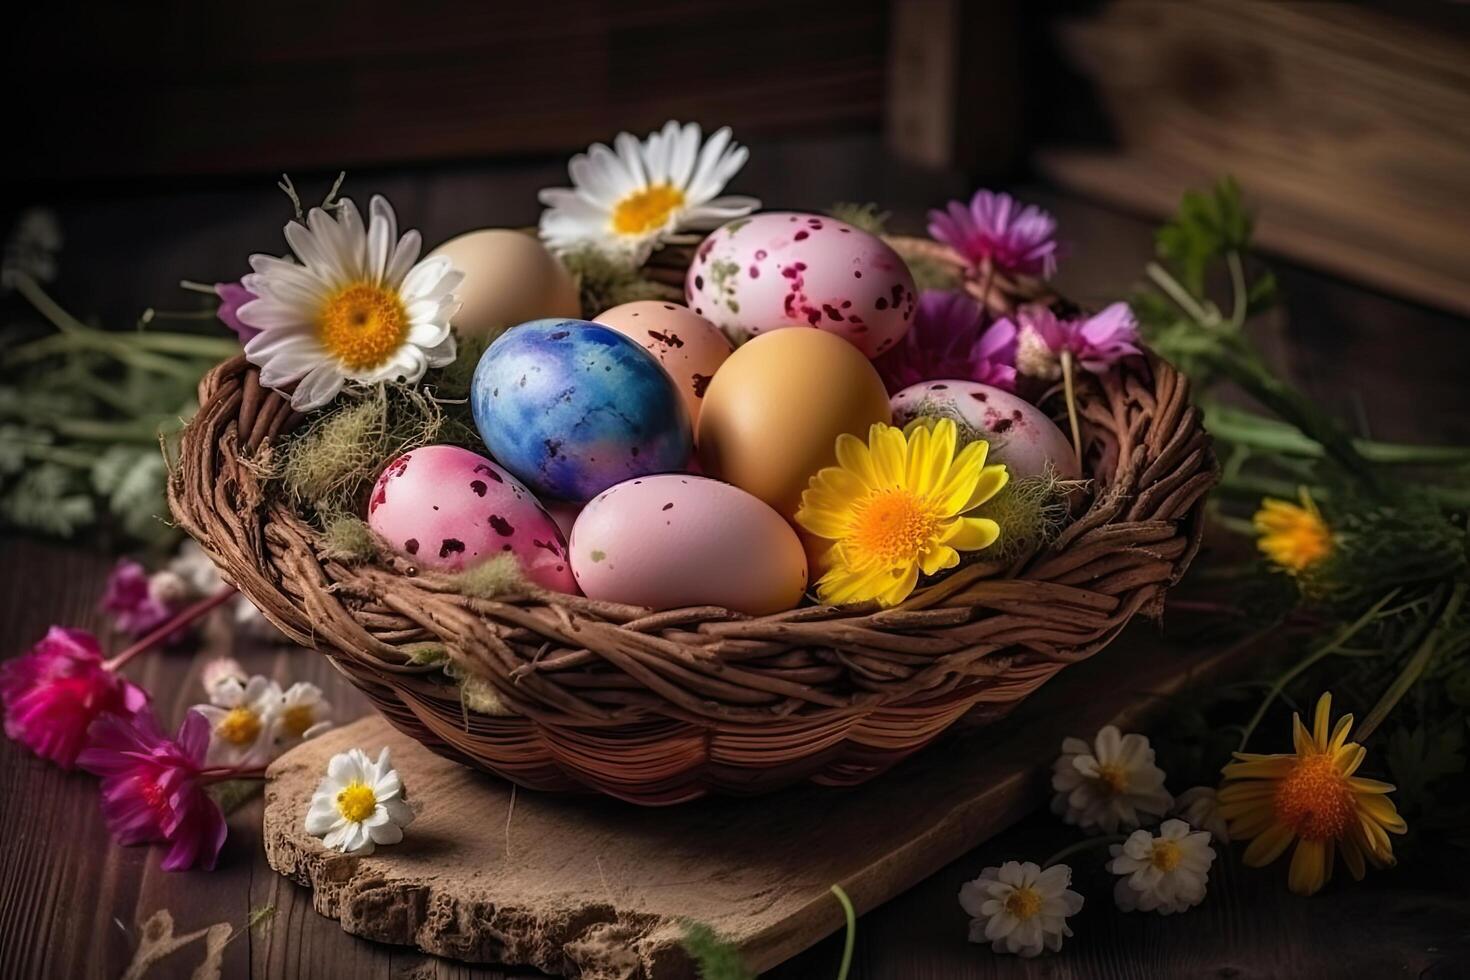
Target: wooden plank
(595, 888)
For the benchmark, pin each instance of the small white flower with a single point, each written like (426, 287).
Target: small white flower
(626, 201)
(1019, 908)
(304, 714)
(1167, 873)
(1108, 784)
(1200, 808)
(359, 804)
(201, 576)
(355, 308)
(242, 719)
(216, 673)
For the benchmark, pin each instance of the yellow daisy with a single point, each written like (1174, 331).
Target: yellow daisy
(1294, 536)
(1311, 796)
(894, 508)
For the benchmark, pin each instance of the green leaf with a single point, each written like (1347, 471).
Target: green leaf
(1416, 759)
(47, 498)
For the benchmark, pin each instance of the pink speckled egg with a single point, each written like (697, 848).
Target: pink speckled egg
(769, 271)
(689, 347)
(676, 540)
(1019, 433)
(450, 509)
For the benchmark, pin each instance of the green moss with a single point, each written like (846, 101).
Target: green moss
(1031, 513)
(481, 696)
(866, 217)
(349, 537)
(498, 576)
(604, 281)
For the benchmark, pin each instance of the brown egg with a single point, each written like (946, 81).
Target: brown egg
(509, 278)
(774, 411)
(689, 347)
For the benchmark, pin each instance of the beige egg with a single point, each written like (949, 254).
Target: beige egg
(509, 278)
(689, 347)
(773, 413)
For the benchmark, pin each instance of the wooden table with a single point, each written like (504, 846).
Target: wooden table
(72, 904)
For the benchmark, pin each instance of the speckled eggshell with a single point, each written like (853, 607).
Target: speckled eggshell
(675, 540)
(1019, 433)
(689, 347)
(450, 509)
(769, 271)
(572, 407)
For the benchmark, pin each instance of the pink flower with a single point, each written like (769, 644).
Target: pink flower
(1096, 342)
(52, 694)
(232, 296)
(949, 341)
(153, 787)
(1016, 239)
(130, 602)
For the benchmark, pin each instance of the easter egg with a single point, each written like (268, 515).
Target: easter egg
(450, 509)
(572, 407)
(509, 278)
(774, 411)
(1020, 434)
(689, 347)
(677, 540)
(769, 271)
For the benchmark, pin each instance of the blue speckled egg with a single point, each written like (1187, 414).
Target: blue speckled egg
(572, 407)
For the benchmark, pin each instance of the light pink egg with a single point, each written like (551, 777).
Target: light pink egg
(1020, 434)
(689, 347)
(769, 271)
(677, 540)
(450, 509)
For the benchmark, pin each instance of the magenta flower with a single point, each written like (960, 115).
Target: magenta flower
(153, 787)
(1095, 343)
(130, 602)
(54, 693)
(949, 340)
(1016, 239)
(232, 296)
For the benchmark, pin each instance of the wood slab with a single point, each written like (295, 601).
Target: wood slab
(594, 888)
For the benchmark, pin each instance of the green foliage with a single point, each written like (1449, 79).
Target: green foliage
(347, 537)
(1208, 226)
(604, 281)
(1031, 512)
(497, 576)
(865, 217)
(714, 958)
(1417, 759)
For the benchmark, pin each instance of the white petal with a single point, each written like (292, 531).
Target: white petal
(405, 254)
(386, 833)
(382, 235)
(630, 151)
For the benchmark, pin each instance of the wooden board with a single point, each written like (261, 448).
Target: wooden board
(590, 887)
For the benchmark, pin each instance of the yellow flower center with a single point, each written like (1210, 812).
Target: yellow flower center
(1291, 536)
(1315, 800)
(241, 726)
(356, 802)
(362, 325)
(1023, 903)
(892, 526)
(296, 719)
(1113, 777)
(1166, 855)
(646, 210)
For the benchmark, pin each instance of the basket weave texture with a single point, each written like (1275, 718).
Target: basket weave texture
(663, 707)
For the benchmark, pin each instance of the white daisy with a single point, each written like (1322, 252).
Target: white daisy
(1200, 808)
(304, 714)
(1167, 873)
(242, 720)
(355, 308)
(1108, 784)
(625, 201)
(1019, 908)
(359, 804)
(201, 576)
(219, 678)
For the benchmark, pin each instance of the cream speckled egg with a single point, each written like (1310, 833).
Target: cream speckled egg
(769, 271)
(450, 509)
(676, 540)
(509, 278)
(689, 347)
(1020, 434)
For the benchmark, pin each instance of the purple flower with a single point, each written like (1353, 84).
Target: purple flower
(949, 340)
(232, 296)
(1096, 342)
(1015, 239)
(129, 600)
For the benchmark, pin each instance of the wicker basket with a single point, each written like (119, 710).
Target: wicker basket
(659, 708)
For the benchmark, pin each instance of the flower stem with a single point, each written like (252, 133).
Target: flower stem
(1239, 297)
(176, 622)
(1083, 845)
(1414, 669)
(1070, 393)
(1327, 649)
(1180, 296)
(224, 774)
(851, 916)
